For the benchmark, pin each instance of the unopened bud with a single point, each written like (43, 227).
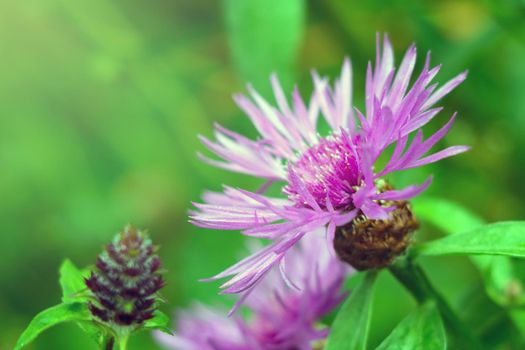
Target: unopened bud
(126, 280)
(371, 244)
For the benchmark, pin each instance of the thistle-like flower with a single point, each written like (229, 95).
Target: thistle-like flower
(289, 303)
(126, 280)
(329, 182)
(206, 328)
(284, 314)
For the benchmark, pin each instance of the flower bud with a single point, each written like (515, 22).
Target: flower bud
(371, 244)
(126, 280)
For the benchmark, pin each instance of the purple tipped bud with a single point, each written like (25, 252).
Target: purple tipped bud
(155, 264)
(99, 313)
(126, 280)
(142, 304)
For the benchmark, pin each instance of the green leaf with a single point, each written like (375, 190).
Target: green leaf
(72, 285)
(71, 281)
(264, 36)
(502, 238)
(518, 318)
(160, 321)
(452, 218)
(448, 216)
(54, 315)
(422, 329)
(350, 328)
(497, 271)
(95, 332)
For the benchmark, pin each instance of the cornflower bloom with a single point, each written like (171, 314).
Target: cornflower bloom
(206, 328)
(283, 314)
(329, 182)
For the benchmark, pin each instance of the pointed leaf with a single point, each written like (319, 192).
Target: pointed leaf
(54, 315)
(422, 329)
(72, 285)
(71, 281)
(350, 328)
(502, 238)
(448, 216)
(452, 218)
(160, 321)
(94, 330)
(497, 271)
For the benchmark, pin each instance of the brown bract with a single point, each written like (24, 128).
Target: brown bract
(371, 244)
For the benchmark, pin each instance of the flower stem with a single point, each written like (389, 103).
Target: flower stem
(415, 280)
(123, 345)
(123, 337)
(108, 344)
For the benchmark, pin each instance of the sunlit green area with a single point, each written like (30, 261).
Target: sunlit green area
(101, 103)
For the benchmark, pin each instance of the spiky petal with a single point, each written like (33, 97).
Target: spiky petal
(283, 311)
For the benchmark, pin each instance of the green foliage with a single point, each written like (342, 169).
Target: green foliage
(502, 238)
(421, 330)
(75, 309)
(501, 281)
(72, 281)
(160, 322)
(350, 328)
(448, 216)
(452, 218)
(66, 312)
(74, 289)
(264, 37)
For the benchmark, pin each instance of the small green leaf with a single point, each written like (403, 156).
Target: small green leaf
(502, 238)
(71, 281)
(95, 332)
(350, 328)
(160, 321)
(54, 315)
(72, 284)
(422, 329)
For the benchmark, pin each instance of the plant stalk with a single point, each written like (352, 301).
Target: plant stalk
(123, 339)
(415, 280)
(109, 343)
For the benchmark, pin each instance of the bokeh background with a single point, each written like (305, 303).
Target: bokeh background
(101, 103)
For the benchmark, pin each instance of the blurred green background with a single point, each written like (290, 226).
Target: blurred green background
(101, 103)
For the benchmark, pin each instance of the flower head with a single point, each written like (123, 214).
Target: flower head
(327, 181)
(126, 280)
(205, 328)
(291, 300)
(284, 312)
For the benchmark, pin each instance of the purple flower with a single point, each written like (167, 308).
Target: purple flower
(284, 312)
(204, 328)
(327, 181)
(294, 296)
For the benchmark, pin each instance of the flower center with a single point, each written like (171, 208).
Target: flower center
(328, 170)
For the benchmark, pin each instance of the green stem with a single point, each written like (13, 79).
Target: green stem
(123, 342)
(108, 344)
(415, 280)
